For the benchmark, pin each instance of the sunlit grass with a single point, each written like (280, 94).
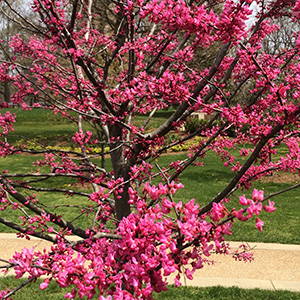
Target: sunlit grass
(44, 125)
(204, 183)
(54, 292)
(201, 183)
(221, 293)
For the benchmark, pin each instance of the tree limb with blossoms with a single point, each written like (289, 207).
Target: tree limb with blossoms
(105, 63)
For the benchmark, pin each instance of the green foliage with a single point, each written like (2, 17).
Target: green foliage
(171, 138)
(194, 124)
(35, 145)
(231, 131)
(187, 145)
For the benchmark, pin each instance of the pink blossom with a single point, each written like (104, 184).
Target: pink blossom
(189, 274)
(259, 224)
(206, 250)
(244, 200)
(239, 215)
(254, 208)
(257, 195)
(270, 208)
(44, 284)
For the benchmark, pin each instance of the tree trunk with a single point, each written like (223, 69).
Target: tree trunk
(6, 92)
(121, 168)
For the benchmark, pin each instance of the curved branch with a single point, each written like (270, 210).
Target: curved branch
(21, 229)
(37, 189)
(24, 19)
(54, 218)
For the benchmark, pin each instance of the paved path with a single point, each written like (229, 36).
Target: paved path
(276, 266)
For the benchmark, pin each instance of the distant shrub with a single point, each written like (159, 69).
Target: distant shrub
(186, 146)
(194, 124)
(35, 146)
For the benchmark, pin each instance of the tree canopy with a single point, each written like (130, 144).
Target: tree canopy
(108, 63)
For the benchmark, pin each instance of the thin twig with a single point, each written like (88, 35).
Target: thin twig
(19, 287)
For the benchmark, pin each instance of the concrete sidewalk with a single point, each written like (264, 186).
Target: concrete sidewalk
(276, 266)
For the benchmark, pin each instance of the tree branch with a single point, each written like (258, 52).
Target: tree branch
(54, 218)
(19, 287)
(243, 169)
(166, 127)
(21, 229)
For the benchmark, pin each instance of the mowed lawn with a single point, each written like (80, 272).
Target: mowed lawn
(54, 292)
(204, 183)
(201, 183)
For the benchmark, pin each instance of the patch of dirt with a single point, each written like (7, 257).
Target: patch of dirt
(281, 178)
(86, 186)
(29, 154)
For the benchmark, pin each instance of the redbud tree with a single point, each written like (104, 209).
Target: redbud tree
(107, 63)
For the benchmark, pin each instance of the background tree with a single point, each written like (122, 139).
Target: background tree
(108, 63)
(6, 32)
(11, 23)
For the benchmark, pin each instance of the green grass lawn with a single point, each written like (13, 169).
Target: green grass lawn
(201, 183)
(43, 125)
(53, 201)
(204, 183)
(54, 292)
(221, 293)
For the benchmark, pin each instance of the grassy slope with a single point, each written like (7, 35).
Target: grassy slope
(40, 124)
(43, 124)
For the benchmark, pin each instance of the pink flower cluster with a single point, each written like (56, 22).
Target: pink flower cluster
(254, 206)
(150, 246)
